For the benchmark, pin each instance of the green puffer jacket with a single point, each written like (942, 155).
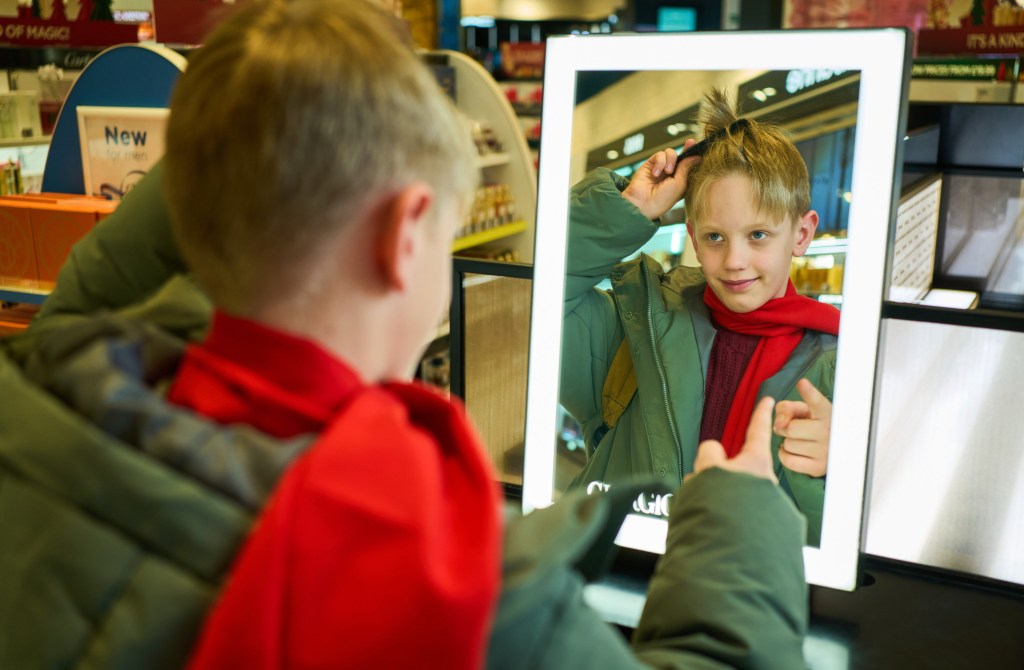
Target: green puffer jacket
(665, 320)
(121, 514)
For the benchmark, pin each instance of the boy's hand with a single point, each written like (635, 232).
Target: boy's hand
(755, 458)
(660, 182)
(806, 427)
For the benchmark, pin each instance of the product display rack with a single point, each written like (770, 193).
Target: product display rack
(527, 94)
(478, 96)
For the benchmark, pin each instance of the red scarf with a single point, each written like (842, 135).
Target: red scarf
(781, 323)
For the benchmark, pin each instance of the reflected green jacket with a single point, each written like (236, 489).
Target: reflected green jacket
(665, 320)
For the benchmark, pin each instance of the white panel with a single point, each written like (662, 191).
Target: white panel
(948, 474)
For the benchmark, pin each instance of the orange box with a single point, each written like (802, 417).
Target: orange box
(54, 231)
(57, 221)
(17, 250)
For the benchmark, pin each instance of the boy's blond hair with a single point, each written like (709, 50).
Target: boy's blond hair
(292, 119)
(758, 150)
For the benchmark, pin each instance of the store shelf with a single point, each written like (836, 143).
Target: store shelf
(931, 90)
(493, 160)
(24, 142)
(531, 110)
(30, 292)
(490, 235)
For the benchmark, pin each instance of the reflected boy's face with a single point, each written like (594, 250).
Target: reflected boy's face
(745, 256)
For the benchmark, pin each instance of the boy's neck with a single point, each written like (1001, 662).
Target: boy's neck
(354, 329)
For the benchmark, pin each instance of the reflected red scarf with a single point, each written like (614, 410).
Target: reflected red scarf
(780, 323)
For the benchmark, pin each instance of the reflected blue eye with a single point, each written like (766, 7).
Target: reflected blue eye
(713, 237)
(759, 235)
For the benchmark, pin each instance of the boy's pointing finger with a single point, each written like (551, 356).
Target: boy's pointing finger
(818, 404)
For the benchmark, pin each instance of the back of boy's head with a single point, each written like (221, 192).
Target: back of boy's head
(759, 151)
(288, 124)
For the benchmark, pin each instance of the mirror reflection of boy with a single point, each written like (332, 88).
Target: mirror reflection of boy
(701, 345)
(276, 493)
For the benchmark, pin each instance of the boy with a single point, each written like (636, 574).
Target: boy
(315, 175)
(702, 346)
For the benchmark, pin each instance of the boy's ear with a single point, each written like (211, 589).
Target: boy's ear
(401, 220)
(805, 228)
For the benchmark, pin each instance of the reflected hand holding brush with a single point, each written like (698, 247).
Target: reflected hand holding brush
(661, 181)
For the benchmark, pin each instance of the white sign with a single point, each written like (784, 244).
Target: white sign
(633, 144)
(798, 80)
(119, 146)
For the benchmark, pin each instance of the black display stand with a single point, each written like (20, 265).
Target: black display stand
(903, 617)
(911, 617)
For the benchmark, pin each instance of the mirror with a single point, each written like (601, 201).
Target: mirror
(816, 114)
(611, 102)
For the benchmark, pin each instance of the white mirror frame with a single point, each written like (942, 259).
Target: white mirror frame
(882, 57)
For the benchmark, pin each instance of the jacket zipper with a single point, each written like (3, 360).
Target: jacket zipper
(664, 384)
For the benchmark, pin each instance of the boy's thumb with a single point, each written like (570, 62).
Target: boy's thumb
(759, 431)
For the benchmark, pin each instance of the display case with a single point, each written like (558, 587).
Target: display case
(947, 473)
(507, 173)
(977, 152)
(490, 343)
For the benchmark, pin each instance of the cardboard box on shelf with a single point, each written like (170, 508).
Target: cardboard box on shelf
(56, 222)
(54, 232)
(17, 252)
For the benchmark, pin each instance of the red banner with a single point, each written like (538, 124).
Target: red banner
(187, 21)
(979, 40)
(37, 32)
